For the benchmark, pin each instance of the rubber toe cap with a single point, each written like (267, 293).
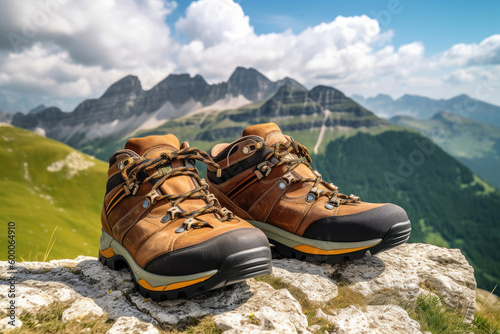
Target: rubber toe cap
(208, 255)
(366, 225)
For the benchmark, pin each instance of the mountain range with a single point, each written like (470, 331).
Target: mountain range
(363, 154)
(125, 107)
(424, 107)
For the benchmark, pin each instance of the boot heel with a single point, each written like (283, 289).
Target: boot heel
(115, 262)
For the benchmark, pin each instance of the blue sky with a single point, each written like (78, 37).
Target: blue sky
(439, 24)
(73, 50)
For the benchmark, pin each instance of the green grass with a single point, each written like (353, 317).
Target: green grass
(447, 204)
(428, 311)
(38, 201)
(488, 310)
(49, 320)
(435, 317)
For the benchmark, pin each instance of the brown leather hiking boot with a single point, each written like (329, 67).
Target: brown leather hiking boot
(159, 219)
(266, 179)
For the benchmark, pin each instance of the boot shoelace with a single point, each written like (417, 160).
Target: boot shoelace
(291, 154)
(134, 174)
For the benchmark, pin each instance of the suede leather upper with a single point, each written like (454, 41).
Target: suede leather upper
(288, 208)
(139, 228)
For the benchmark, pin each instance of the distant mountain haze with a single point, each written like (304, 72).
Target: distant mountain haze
(424, 107)
(475, 144)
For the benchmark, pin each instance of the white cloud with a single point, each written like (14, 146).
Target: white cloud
(105, 32)
(486, 52)
(215, 21)
(78, 48)
(345, 50)
(460, 76)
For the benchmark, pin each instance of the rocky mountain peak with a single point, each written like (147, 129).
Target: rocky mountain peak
(326, 95)
(242, 75)
(248, 82)
(177, 95)
(37, 109)
(290, 82)
(123, 87)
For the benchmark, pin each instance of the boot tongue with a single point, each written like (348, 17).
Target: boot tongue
(152, 147)
(270, 132)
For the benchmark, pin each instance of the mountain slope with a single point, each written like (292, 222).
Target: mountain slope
(45, 184)
(126, 107)
(424, 107)
(447, 204)
(313, 117)
(475, 144)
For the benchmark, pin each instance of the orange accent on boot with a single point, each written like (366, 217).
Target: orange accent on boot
(313, 250)
(172, 286)
(108, 252)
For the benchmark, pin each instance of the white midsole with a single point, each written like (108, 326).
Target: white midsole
(293, 240)
(154, 280)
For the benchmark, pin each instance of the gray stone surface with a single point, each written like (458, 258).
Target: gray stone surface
(398, 276)
(82, 308)
(131, 325)
(386, 281)
(380, 319)
(312, 278)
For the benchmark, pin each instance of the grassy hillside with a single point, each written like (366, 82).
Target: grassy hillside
(475, 144)
(447, 204)
(40, 190)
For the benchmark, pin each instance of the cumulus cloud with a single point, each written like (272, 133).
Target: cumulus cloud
(213, 22)
(345, 51)
(78, 48)
(105, 32)
(487, 52)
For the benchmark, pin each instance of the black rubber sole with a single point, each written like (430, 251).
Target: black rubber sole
(397, 235)
(236, 268)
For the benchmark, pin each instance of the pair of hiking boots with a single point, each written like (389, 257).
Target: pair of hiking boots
(181, 235)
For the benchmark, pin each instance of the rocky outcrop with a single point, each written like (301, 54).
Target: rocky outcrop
(387, 283)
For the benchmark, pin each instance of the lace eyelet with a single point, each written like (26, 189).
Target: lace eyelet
(310, 198)
(282, 185)
(165, 219)
(329, 206)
